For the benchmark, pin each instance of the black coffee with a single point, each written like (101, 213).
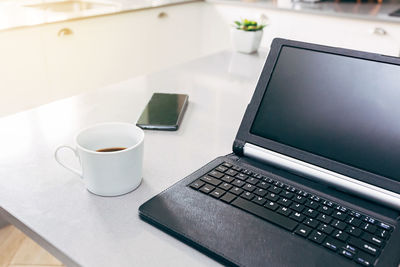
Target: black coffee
(111, 149)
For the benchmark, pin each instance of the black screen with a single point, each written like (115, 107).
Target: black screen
(342, 108)
(163, 109)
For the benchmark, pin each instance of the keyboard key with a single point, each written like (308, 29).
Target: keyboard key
(367, 247)
(311, 213)
(369, 220)
(263, 185)
(272, 197)
(228, 197)
(297, 216)
(384, 226)
(260, 192)
(284, 202)
(252, 180)
(227, 179)
(274, 189)
(327, 203)
(364, 259)
(314, 198)
(350, 248)
(353, 230)
(299, 199)
(284, 211)
(324, 218)
(217, 193)
(231, 172)
(211, 180)
(287, 194)
(279, 184)
(342, 236)
(302, 193)
(259, 200)
(216, 174)
(372, 239)
(297, 207)
(355, 214)
(207, 188)
(236, 190)
(247, 195)
(249, 187)
(311, 222)
(346, 253)
(342, 209)
(225, 186)
(221, 168)
(271, 205)
(339, 224)
(303, 230)
(197, 184)
(332, 244)
(317, 237)
(353, 221)
(382, 233)
(264, 213)
(325, 228)
(241, 176)
(238, 183)
(226, 164)
(339, 215)
(368, 227)
(237, 168)
(325, 209)
(311, 204)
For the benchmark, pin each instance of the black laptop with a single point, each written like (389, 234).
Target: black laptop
(314, 177)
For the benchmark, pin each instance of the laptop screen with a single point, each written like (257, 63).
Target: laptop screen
(342, 108)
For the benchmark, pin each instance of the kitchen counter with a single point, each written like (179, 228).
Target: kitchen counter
(51, 205)
(23, 13)
(365, 11)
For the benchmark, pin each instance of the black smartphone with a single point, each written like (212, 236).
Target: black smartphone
(163, 112)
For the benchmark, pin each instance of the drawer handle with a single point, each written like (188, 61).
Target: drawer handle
(379, 31)
(162, 15)
(64, 32)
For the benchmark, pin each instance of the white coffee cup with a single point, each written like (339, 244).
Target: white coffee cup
(108, 173)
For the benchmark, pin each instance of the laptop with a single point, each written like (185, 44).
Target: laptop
(314, 176)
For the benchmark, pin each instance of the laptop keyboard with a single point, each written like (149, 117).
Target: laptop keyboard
(347, 232)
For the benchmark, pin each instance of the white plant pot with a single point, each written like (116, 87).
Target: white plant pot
(246, 42)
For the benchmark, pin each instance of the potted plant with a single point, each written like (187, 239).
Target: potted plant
(246, 36)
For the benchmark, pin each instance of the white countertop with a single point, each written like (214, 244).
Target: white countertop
(365, 11)
(22, 13)
(53, 207)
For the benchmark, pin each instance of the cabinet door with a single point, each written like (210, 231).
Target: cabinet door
(89, 53)
(86, 54)
(22, 70)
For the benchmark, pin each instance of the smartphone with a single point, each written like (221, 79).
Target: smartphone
(163, 112)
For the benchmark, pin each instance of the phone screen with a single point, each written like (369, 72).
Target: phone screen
(163, 112)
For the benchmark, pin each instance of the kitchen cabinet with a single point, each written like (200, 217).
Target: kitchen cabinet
(52, 61)
(22, 69)
(89, 53)
(371, 36)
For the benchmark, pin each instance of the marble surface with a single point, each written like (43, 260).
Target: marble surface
(23, 13)
(366, 11)
(51, 204)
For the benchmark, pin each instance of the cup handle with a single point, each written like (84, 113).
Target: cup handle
(77, 172)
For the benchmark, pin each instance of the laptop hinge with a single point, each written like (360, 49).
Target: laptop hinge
(345, 183)
(238, 147)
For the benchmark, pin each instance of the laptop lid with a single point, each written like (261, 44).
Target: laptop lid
(331, 109)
